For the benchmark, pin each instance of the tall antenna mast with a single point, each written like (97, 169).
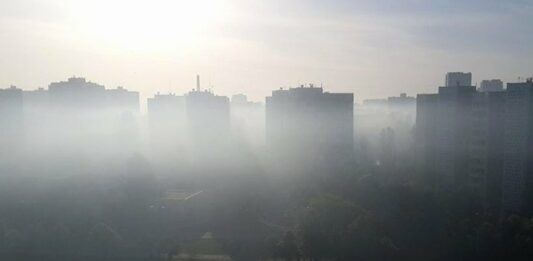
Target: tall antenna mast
(197, 83)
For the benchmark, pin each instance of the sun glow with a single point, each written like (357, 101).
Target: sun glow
(149, 25)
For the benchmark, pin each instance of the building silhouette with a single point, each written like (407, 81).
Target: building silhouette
(402, 103)
(427, 123)
(396, 113)
(167, 127)
(208, 126)
(451, 135)
(478, 142)
(248, 120)
(77, 116)
(494, 85)
(166, 109)
(194, 126)
(518, 147)
(122, 100)
(310, 126)
(458, 79)
(486, 139)
(443, 128)
(11, 120)
(208, 115)
(76, 94)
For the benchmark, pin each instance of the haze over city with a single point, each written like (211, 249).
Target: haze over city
(266, 130)
(371, 48)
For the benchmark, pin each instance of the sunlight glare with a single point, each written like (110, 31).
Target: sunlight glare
(149, 25)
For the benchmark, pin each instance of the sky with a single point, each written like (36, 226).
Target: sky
(374, 48)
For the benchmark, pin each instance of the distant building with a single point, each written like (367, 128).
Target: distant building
(11, 102)
(166, 107)
(76, 94)
(491, 86)
(403, 108)
(167, 123)
(452, 138)
(208, 115)
(485, 157)
(396, 113)
(248, 120)
(239, 99)
(517, 193)
(479, 141)
(80, 116)
(310, 125)
(427, 107)
(402, 103)
(122, 100)
(195, 125)
(458, 79)
(36, 100)
(208, 126)
(442, 132)
(80, 94)
(11, 119)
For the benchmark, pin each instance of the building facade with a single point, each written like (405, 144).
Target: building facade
(479, 142)
(309, 125)
(494, 85)
(518, 147)
(458, 79)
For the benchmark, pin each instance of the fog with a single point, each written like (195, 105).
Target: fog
(79, 158)
(86, 173)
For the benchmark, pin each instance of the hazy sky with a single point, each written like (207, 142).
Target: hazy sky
(374, 48)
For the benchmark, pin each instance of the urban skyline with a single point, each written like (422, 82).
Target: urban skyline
(490, 84)
(266, 130)
(354, 46)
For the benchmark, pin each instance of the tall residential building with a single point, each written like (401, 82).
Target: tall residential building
(11, 120)
(239, 99)
(208, 115)
(166, 108)
(36, 100)
(443, 139)
(248, 120)
(309, 125)
(451, 144)
(485, 156)
(479, 141)
(208, 122)
(122, 100)
(167, 125)
(458, 79)
(494, 85)
(426, 136)
(402, 103)
(76, 94)
(195, 126)
(517, 193)
(82, 117)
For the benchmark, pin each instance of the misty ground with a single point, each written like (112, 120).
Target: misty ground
(134, 211)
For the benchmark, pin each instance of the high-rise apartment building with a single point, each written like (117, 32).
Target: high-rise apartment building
(517, 193)
(494, 85)
(309, 125)
(458, 79)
